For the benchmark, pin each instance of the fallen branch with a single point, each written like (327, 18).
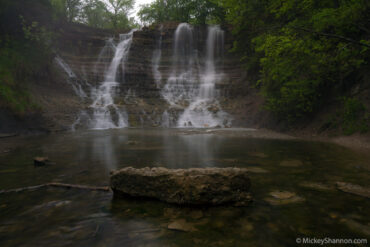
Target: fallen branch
(58, 185)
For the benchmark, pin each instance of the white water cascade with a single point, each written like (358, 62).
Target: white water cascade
(181, 84)
(156, 58)
(72, 78)
(191, 85)
(106, 114)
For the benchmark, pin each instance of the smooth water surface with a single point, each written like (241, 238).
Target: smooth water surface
(60, 217)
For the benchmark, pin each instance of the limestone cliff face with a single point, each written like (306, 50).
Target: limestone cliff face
(139, 93)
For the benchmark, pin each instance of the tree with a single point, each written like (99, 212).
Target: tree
(72, 9)
(95, 14)
(191, 11)
(301, 50)
(120, 11)
(67, 9)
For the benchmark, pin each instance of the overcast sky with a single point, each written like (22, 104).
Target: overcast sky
(137, 4)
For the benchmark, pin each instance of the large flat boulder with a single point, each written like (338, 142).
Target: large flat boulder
(195, 186)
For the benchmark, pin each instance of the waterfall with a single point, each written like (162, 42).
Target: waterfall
(72, 78)
(105, 54)
(165, 120)
(181, 84)
(156, 58)
(205, 110)
(193, 86)
(106, 114)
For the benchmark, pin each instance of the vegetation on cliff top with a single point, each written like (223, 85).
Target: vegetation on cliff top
(190, 11)
(110, 14)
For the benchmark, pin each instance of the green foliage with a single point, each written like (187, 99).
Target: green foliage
(111, 14)
(119, 13)
(302, 50)
(25, 53)
(36, 34)
(67, 9)
(191, 11)
(354, 115)
(94, 14)
(18, 64)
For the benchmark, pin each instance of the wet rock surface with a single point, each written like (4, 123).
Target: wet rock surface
(353, 189)
(195, 186)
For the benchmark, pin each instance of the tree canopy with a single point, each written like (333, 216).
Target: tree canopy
(301, 50)
(191, 11)
(96, 13)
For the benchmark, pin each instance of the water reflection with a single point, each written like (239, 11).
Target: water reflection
(86, 158)
(188, 150)
(104, 150)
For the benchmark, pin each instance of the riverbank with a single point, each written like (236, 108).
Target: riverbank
(356, 142)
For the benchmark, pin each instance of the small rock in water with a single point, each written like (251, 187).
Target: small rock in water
(282, 194)
(283, 197)
(41, 161)
(291, 163)
(354, 189)
(181, 225)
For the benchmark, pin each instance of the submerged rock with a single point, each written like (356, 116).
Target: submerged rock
(291, 163)
(195, 186)
(181, 225)
(354, 189)
(41, 161)
(283, 197)
(316, 186)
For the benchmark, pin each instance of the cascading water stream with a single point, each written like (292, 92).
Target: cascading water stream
(189, 87)
(204, 109)
(72, 78)
(181, 84)
(106, 114)
(156, 58)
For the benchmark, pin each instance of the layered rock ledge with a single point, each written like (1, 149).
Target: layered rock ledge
(195, 186)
